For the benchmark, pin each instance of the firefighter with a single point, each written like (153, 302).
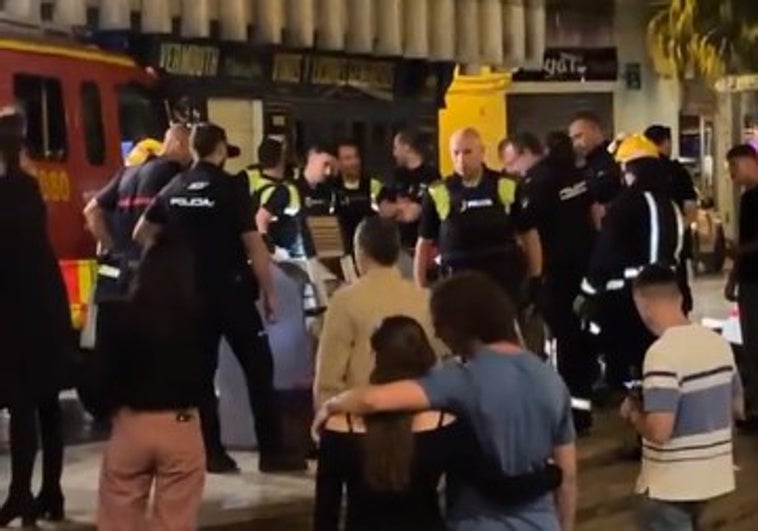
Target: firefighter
(684, 195)
(113, 213)
(642, 226)
(601, 171)
(553, 197)
(213, 212)
(467, 216)
(357, 194)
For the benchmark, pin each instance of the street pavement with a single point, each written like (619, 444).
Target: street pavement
(254, 501)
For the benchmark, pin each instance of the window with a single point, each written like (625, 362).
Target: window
(42, 100)
(141, 114)
(92, 117)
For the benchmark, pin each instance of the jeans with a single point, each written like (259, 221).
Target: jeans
(658, 515)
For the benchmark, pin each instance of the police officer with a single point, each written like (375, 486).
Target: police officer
(413, 176)
(600, 169)
(467, 216)
(275, 200)
(642, 226)
(356, 193)
(213, 211)
(684, 195)
(553, 197)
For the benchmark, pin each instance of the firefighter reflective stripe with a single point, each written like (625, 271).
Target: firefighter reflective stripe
(375, 189)
(582, 404)
(595, 329)
(79, 278)
(679, 231)
(615, 285)
(441, 198)
(506, 191)
(109, 271)
(587, 288)
(655, 229)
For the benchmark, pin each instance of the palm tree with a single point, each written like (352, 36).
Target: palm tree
(708, 38)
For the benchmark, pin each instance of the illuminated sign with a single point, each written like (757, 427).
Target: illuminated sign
(190, 59)
(330, 70)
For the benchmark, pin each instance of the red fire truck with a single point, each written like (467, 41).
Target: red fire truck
(84, 107)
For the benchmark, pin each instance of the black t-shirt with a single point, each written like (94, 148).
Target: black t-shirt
(277, 200)
(212, 210)
(682, 191)
(129, 193)
(603, 175)
(354, 203)
(556, 201)
(748, 266)
(410, 184)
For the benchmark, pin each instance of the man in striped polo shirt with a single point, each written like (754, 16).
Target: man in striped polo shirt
(690, 392)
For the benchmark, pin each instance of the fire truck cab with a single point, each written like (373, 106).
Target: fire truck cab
(84, 107)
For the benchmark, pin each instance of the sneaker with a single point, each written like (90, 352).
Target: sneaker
(272, 464)
(221, 463)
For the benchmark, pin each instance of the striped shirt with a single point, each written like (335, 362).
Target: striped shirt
(690, 372)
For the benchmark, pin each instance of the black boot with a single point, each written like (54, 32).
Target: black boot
(49, 505)
(18, 506)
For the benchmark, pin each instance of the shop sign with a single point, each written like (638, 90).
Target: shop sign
(333, 71)
(574, 64)
(192, 60)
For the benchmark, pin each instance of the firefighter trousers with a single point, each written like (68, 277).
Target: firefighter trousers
(577, 359)
(234, 316)
(624, 337)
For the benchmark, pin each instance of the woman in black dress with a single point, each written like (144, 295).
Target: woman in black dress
(35, 334)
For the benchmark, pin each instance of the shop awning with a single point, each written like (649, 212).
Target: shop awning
(473, 33)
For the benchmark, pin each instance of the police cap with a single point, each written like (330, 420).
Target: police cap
(206, 136)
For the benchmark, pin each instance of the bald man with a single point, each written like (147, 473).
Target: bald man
(112, 214)
(467, 217)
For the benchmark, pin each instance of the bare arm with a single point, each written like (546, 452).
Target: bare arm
(98, 225)
(567, 494)
(655, 427)
(532, 245)
(421, 261)
(405, 395)
(263, 220)
(146, 233)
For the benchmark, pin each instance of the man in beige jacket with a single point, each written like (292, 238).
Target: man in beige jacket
(344, 359)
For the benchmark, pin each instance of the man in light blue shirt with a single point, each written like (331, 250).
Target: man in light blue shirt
(518, 407)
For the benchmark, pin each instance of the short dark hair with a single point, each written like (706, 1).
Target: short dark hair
(472, 307)
(742, 151)
(560, 149)
(413, 138)
(379, 238)
(347, 142)
(205, 138)
(270, 152)
(658, 279)
(658, 134)
(318, 147)
(587, 116)
(522, 142)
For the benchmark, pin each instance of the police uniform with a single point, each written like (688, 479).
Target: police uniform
(354, 203)
(642, 226)
(603, 174)
(212, 210)
(411, 185)
(473, 228)
(557, 203)
(282, 201)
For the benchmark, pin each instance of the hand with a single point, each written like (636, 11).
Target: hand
(409, 211)
(322, 415)
(269, 306)
(730, 290)
(628, 407)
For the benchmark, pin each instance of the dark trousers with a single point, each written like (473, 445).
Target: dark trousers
(577, 359)
(509, 276)
(234, 317)
(748, 304)
(624, 337)
(31, 422)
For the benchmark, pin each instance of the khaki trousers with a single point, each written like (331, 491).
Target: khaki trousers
(163, 450)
